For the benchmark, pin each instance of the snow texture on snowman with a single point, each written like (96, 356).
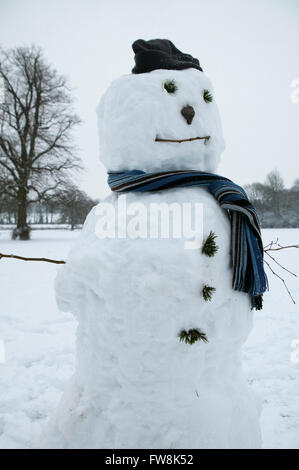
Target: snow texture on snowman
(160, 327)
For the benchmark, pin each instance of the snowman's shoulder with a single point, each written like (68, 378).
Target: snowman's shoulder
(192, 196)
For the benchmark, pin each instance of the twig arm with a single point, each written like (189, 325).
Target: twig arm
(276, 246)
(280, 247)
(282, 280)
(24, 258)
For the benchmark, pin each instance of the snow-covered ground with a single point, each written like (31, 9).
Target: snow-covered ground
(39, 342)
(267, 355)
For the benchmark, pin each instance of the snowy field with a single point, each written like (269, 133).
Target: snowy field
(39, 342)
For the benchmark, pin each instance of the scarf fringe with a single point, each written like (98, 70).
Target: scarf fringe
(257, 302)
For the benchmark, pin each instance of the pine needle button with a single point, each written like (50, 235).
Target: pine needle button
(193, 335)
(209, 247)
(207, 292)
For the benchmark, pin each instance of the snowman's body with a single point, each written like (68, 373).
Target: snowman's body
(136, 385)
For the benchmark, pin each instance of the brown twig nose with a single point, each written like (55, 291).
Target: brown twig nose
(188, 113)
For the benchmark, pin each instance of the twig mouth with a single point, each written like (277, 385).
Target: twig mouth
(206, 138)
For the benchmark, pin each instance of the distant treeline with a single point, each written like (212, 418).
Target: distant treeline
(278, 207)
(69, 205)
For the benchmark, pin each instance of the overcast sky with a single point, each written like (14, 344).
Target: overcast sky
(249, 48)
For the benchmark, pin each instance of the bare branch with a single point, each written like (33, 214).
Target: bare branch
(280, 247)
(282, 280)
(280, 265)
(23, 258)
(41, 194)
(10, 170)
(275, 246)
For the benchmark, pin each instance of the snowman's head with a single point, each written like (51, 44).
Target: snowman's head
(146, 119)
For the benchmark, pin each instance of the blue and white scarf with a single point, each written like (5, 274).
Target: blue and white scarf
(246, 242)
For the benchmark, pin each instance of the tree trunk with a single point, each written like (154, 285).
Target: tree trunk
(276, 204)
(22, 231)
(72, 218)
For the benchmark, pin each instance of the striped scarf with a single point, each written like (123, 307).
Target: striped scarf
(246, 242)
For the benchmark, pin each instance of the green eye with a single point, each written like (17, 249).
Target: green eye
(170, 87)
(207, 96)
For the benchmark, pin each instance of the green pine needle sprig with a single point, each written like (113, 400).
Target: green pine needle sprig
(207, 96)
(192, 335)
(170, 86)
(210, 247)
(207, 292)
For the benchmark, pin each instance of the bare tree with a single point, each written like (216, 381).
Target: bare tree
(274, 187)
(256, 193)
(74, 204)
(36, 120)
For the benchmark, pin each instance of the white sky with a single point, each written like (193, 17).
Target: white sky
(249, 48)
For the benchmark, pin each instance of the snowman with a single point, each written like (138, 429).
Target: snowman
(161, 324)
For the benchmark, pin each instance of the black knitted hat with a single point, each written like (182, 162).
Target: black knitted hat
(161, 54)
